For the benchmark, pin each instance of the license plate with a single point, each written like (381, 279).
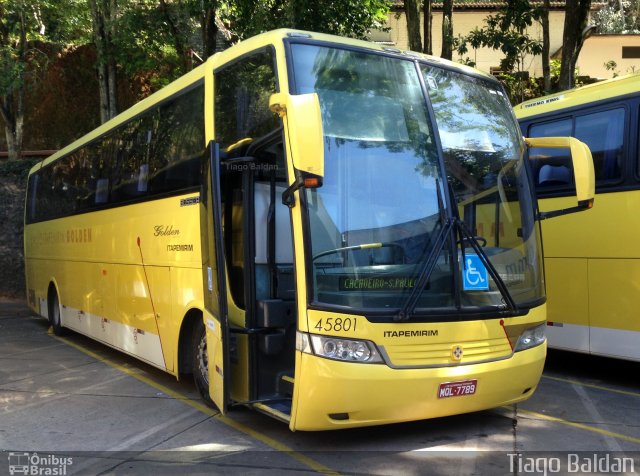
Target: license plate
(457, 389)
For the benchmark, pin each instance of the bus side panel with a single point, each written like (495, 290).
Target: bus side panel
(614, 291)
(186, 294)
(568, 303)
(144, 305)
(112, 271)
(593, 275)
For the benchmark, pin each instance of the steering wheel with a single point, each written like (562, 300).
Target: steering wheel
(482, 240)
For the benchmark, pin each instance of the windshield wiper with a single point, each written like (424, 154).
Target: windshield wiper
(467, 237)
(425, 272)
(408, 308)
(429, 265)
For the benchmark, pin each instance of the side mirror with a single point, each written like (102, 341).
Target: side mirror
(582, 170)
(303, 128)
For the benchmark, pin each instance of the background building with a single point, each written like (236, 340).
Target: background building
(623, 50)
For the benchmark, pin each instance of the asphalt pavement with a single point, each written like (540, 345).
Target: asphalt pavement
(73, 406)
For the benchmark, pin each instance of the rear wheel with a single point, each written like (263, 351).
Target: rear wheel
(54, 313)
(200, 361)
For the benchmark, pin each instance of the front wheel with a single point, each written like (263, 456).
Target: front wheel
(200, 361)
(54, 314)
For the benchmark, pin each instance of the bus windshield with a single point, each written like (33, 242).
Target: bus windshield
(395, 178)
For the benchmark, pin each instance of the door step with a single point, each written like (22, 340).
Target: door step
(285, 384)
(280, 409)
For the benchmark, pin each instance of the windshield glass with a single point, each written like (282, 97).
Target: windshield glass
(376, 223)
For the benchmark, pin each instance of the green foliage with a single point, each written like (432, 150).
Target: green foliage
(151, 42)
(612, 66)
(155, 38)
(506, 31)
(24, 25)
(618, 18)
(352, 18)
(147, 37)
(17, 168)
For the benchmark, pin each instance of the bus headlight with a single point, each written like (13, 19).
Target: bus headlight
(531, 338)
(338, 348)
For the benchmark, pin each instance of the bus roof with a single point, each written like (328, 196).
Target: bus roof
(611, 88)
(236, 51)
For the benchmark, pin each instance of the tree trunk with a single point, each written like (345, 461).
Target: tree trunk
(412, 13)
(575, 21)
(209, 27)
(427, 26)
(177, 38)
(12, 112)
(12, 102)
(447, 29)
(546, 68)
(111, 59)
(103, 31)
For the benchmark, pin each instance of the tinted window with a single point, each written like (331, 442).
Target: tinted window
(242, 115)
(242, 92)
(552, 168)
(156, 153)
(602, 131)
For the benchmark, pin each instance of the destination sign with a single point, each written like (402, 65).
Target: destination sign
(377, 284)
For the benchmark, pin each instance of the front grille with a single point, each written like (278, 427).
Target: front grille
(439, 354)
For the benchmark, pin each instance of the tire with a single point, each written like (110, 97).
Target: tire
(200, 361)
(54, 314)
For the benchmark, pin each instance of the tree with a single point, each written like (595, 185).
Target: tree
(618, 18)
(575, 22)
(427, 24)
(351, 18)
(506, 31)
(447, 29)
(103, 13)
(546, 42)
(209, 27)
(22, 25)
(412, 15)
(13, 63)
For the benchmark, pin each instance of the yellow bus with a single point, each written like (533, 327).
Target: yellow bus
(591, 261)
(294, 224)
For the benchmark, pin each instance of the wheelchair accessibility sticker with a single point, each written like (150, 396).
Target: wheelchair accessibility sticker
(475, 276)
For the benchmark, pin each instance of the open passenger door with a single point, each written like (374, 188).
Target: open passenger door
(214, 278)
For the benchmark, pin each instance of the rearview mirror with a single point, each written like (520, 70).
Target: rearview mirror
(303, 129)
(582, 170)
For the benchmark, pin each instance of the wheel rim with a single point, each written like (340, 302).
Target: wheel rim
(203, 359)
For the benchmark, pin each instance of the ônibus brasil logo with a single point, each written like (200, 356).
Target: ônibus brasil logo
(38, 465)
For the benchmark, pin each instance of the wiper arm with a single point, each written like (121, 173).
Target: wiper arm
(430, 264)
(425, 272)
(468, 237)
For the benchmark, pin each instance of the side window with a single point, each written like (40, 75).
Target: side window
(242, 92)
(552, 168)
(177, 143)
(103, 154)
(70, 183)
(603, 132)
(44, 206)
(32, 194)
(131, 172)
